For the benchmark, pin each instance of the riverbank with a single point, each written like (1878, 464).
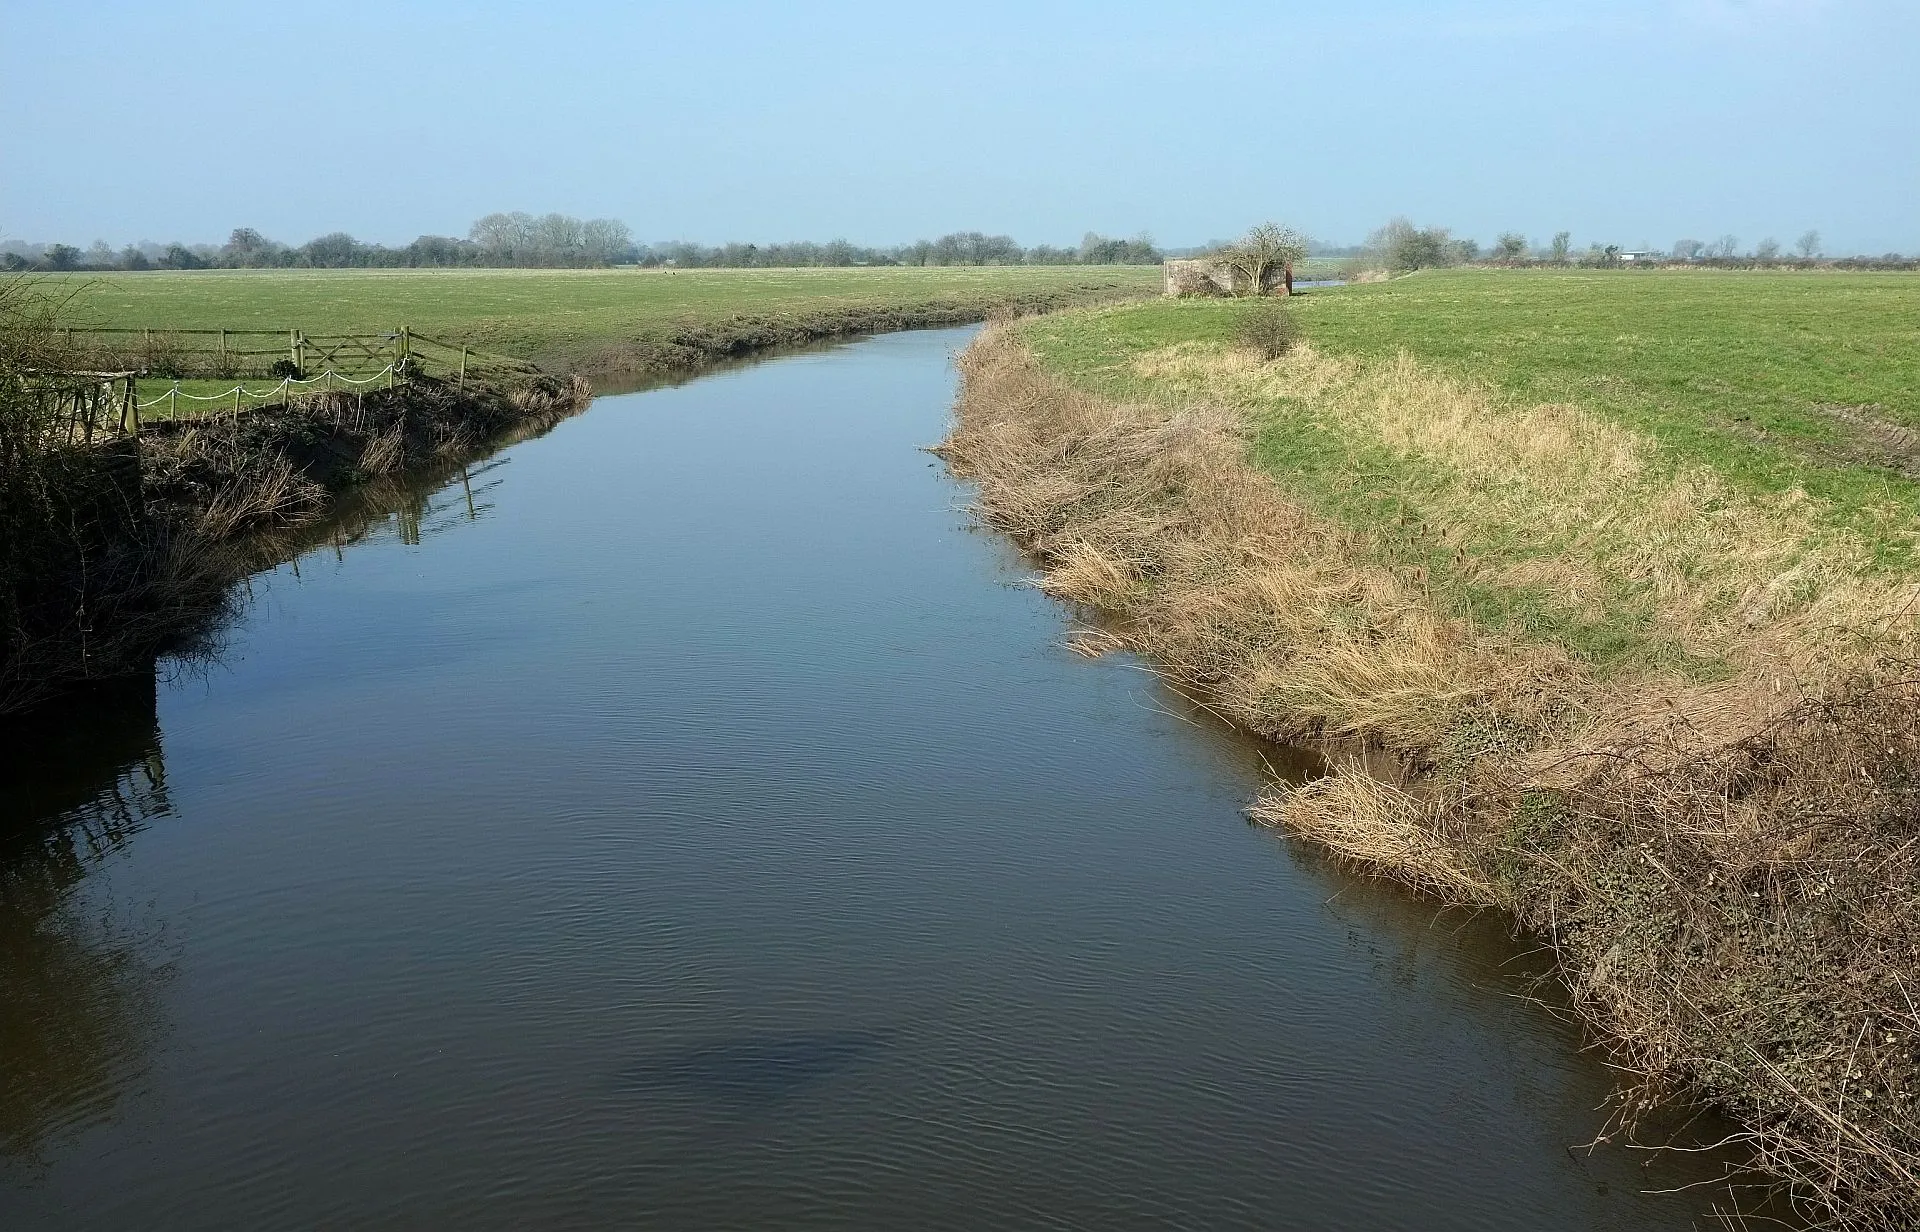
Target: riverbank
(206, 503)
(1654, 709)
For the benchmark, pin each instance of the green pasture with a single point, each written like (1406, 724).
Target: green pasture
(1767, 377)
(1673, 352)
(1781, 383)
(563, 318)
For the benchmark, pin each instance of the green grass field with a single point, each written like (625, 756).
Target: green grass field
(564, 318)
(1785, 402)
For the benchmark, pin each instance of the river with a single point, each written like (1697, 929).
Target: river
(688, 819)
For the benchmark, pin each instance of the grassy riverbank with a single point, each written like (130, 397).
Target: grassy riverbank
(598, 321)
(1620, 569)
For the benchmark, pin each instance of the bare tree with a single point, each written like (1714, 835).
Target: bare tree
(1264, 251)
(501, 235)
(605, 240)
(1725, 246)
(1687, 250)
(1809, 245)
(1562, 246)
(1767, 249)
(558, 239)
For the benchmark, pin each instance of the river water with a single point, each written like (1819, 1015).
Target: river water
(688, 820)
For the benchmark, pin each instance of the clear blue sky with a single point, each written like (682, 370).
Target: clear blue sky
(1627, 121)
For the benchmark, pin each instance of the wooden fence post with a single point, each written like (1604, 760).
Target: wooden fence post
(463, 370)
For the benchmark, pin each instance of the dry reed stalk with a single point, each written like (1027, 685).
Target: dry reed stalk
(1727, 870)
(386, 452)
(268, 491)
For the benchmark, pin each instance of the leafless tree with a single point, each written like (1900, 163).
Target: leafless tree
(605, 240)
(1262, 252)
(1808, 244)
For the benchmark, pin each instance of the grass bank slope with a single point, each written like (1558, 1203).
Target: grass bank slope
(601, 321)
(1637, 628)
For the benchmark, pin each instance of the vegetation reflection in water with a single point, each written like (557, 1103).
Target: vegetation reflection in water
(80, 978)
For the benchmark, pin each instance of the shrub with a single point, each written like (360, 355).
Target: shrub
(1269, 331)
(1400, 247)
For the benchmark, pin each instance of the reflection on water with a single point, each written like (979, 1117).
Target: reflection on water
(608, 385)
(749, 1071)
(79, 984)
(689, 820)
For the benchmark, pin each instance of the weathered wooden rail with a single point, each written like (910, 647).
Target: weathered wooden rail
(78, 408)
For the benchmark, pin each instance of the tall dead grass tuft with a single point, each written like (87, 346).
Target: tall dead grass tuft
(1726, 868)
(1377, 826)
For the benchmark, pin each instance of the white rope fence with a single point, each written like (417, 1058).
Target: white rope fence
(327, 380)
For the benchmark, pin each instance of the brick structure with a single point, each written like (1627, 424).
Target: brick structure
(1210, 276)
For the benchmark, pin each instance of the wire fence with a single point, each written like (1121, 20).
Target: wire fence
(239, 394)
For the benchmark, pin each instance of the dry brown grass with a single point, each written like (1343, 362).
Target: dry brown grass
(280, 466)
(1727, 869)
(1599, 511)
(1289, 624)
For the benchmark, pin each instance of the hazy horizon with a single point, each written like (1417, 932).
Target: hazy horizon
(1635, 123)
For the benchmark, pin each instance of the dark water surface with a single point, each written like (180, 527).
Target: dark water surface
(692, 823)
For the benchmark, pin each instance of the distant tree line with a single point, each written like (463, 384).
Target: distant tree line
(552, 241)
(1401, 247)
(559, 241)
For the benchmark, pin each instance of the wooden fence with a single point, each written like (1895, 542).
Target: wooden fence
(284, 362)
(79, 408)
